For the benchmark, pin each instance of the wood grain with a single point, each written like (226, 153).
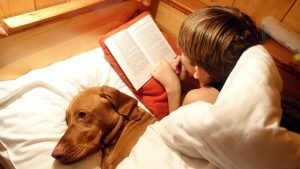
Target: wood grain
(259, 9)
(64, 10)
(169, 19)
(57, 40)
(10, 8)
(219, 2)
(292, 20)
(185, 6)
(39, 4)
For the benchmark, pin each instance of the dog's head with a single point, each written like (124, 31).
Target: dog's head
(93, 117)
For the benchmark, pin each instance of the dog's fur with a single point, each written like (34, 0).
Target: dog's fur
(101, 118)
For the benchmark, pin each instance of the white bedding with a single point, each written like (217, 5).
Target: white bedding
(240, 131)
(32, 109)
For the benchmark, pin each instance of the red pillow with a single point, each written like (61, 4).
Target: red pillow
(152, 94)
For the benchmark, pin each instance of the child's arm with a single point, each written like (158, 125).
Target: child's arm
(164, 73)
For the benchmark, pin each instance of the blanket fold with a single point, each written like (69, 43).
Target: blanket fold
(241, 130)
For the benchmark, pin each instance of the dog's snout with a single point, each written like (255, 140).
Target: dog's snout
(59, 152)
(57, 156)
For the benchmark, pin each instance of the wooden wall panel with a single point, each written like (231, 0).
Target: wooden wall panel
(219, 2)
(39, 4)
(169, 19)
(224, 2)
(54, 41)
(185, 6)
(10, 8)
(259, 9)
(292, 20)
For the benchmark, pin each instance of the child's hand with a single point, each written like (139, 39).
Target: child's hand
(176, 64)
(166, 75)
(178, 67)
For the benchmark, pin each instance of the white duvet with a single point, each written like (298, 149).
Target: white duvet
(240, 131)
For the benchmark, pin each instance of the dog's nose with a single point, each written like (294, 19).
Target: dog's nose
(59, 152)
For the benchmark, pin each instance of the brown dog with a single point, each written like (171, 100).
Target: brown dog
(102, 118)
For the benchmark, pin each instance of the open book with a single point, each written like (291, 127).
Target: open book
(138, 49)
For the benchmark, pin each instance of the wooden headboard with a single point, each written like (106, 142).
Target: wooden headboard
(41, 37)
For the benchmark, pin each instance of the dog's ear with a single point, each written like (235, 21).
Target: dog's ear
(123, 104)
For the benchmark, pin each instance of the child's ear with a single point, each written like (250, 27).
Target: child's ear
(201, 74)
(197, 72)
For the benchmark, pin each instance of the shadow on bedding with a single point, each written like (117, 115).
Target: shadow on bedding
(290, 113)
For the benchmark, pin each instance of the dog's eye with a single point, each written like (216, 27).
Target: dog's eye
(82, 114)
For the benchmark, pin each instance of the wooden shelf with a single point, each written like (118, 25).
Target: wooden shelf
(59, 12)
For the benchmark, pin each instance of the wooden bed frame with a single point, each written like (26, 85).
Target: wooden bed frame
(40, 38)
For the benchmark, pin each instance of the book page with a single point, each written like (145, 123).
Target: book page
(151, 41)
(130, 58)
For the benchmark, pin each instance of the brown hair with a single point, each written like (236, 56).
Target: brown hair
(214, 38)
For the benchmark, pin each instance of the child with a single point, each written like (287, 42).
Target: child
(212, 40)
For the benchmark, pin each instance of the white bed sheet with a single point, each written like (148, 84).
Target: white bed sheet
(32, 109)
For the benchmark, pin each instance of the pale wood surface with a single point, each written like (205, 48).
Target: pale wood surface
(287, 11)
(292, 20)
(30, 19)
(169, 19)
(39, 4)
(186, 6)
(61, 11)
(10, 8)
(55, 41)
(259, 9)
(219, 2)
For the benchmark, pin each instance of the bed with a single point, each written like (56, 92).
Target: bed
(45, 63)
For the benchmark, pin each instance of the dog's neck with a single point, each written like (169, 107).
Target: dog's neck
(115, 131)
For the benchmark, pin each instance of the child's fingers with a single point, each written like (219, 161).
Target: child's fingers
(182, 73)
(176, 64)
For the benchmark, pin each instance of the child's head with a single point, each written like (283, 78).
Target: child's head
(214, 38)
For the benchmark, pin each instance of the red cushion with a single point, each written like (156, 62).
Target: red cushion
(152, 94)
